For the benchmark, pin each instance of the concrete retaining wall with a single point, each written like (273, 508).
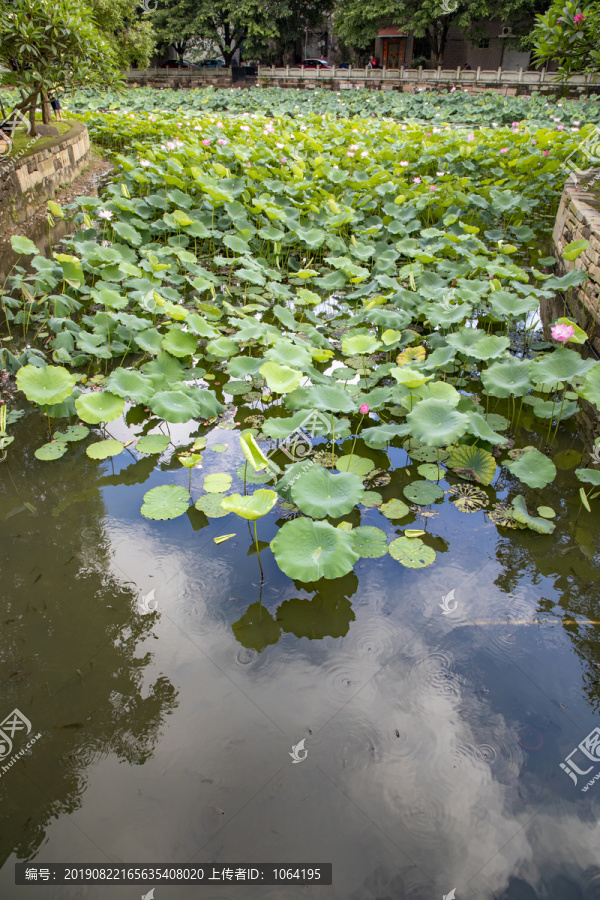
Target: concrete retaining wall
(24, 185)
(578, 218)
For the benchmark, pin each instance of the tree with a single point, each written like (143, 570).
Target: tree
(292, 19)
(48, 45)
(128, 31)
(229, 23)
(570, 34)
(358, 21)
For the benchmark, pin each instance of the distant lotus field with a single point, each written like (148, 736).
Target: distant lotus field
(363, 274)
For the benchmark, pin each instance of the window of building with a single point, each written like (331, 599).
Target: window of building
(483, 43)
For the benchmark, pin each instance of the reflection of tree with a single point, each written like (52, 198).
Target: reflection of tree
(569, 558)
(69, 638)
(327, 614)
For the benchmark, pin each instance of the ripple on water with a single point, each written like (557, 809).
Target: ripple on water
(246, 656)
(373, 639)
(427, 816)
(350, 747)
(436, 671)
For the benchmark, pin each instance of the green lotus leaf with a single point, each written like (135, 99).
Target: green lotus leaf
(380, 436)
(152, 443)
(435, 423)
(533, 468)
(370, 542)
(253, 453)
(546, 512)
(506, 305)
(535, 523)
(104, 449)
(72, 433)
(421, 453)
(207, 403)
(489, 346)
(440, 390)
(322, 397)
(210, 505)
(566, 459)
(101, 406)
(129, 383)
(371, 498)
(246, 473)
(472, 463)
(179, 343)
(591, 386)
(423, 492)
(241, 366)
(174, 406)
(394, 509)
(52, 450)
(496, 421)
(588, 476)
(281, 379)
(238, 388)
(431, 472)
(357, 464)
(288, 354)
(505, 378)
(252, 506)
(307, 550)
(412, 552)
(257, 629)
(223, 347)
(360, 344)
(480, 427)
(561, 365)
(149, 340)
(217, 483)
(45, 385)
(318, 493)
(219, 448)
(200, 326)
(412, 378)
(168, 501)
(23, 245)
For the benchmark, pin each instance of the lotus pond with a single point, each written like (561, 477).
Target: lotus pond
(289, 456)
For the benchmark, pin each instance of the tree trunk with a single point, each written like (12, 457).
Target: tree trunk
(46, 114)
(32, 108)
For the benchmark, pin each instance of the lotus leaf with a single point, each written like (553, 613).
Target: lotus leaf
(318, 493)
(217, 483)
(423, 493)
(104, 449)
(168, 501)
(307, 550)
(472, 463)
(435, 423)
(533, 468)
(45, 385)
(412, 552)
(102, 406)
(252, 506)
(152, 443)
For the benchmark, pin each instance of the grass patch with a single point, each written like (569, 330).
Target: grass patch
(24, 145)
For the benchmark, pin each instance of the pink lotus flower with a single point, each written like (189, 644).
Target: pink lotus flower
(546, 152)
(560, 127)
(417, 180)
(105, 214)
(562, 332)
(364, 409)
(432, 187)
(470, 137)
(206, 142)
(350, 153)
(515, 124)
(504, 150)
(404, 163)
(222, 142)
(283, 159)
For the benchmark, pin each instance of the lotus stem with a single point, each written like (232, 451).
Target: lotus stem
(354, 443)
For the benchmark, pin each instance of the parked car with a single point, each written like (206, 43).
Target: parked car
(211, 64)
(344, 66)
(316, 64)
(175, 64)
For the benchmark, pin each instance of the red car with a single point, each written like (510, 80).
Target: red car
(316, 64)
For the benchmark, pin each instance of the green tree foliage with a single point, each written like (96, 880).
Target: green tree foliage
(229, 23)
(126, 29)
(46, 45)
(570, 33)
(358, 21)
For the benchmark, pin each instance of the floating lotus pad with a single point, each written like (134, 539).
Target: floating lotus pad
(318, 493)
(423, 493)
(152, 443)
(104, 449)
(99, 407)
(210, 505)
(357, 464)
(394, 509)
(307, 550)
(168, 501)
(370, 542)
(412, 552)
(52, 450)
(217, 483)
(252, 506)
(472, 463)
(533, 468)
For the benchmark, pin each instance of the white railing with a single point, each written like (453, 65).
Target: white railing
(361, 76)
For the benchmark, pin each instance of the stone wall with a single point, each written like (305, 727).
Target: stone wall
(24, 185)
(578, 218)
